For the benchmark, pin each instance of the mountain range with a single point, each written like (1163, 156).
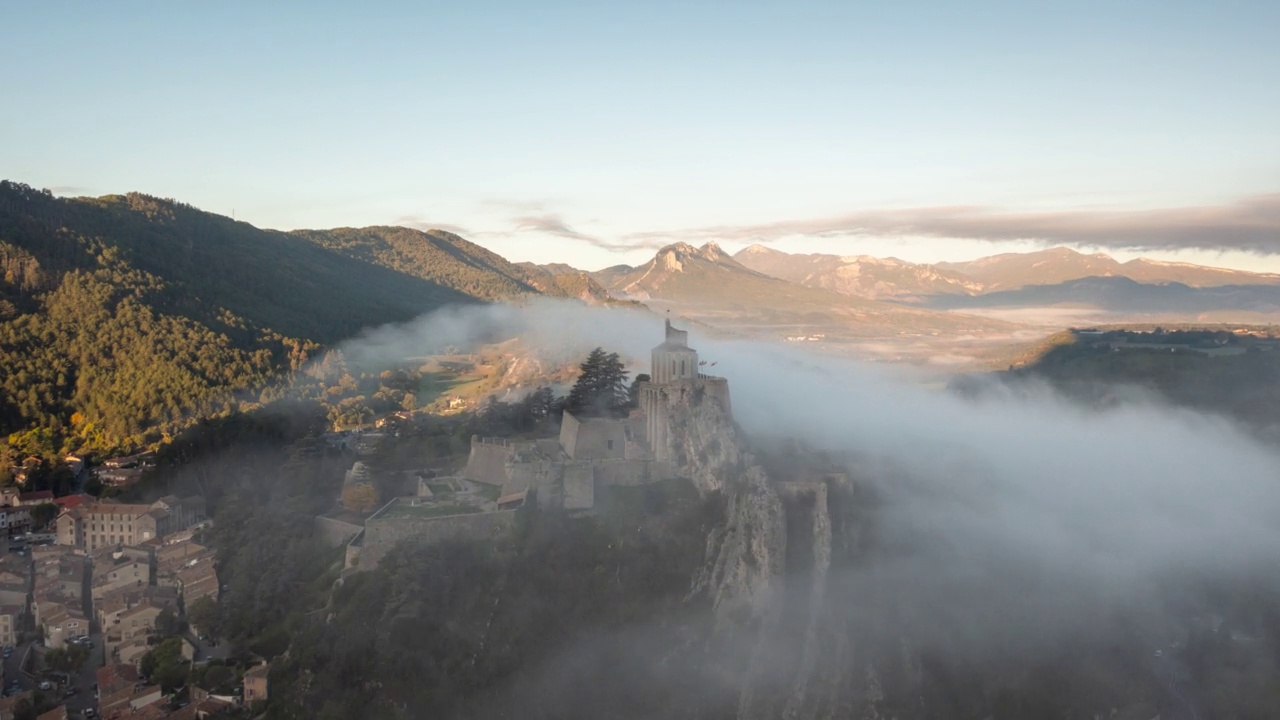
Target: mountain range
(708, 284)
(891, 278)
(125, 316)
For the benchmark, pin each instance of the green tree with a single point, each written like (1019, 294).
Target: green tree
(165, 665)
(67, 659)
(43, 514)
(601, 388)
(218, 678)
(167, 623)
(204, 616)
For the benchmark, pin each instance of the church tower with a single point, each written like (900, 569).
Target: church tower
(675, 380)
(673, 360)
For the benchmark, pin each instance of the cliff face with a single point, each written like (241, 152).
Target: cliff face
(766, 574)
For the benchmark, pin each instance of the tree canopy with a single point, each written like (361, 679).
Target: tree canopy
(601, 389)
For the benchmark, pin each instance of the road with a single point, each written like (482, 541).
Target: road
(87, 679)
(13, 667)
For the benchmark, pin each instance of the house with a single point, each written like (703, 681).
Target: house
(58, 713)
(10, 616)
(95, 525)
(116, 685)
(13, 588)
(66, 502)
(132, 651)
(119, 572)
(60, 623)
(38, 497)
(255, 683)
(14, 520)
(130, 461)
(198, 581)
(59, 574)
(110, 607)
(120, 478)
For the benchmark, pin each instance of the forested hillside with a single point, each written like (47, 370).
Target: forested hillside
(1235, 375)
(126, 316)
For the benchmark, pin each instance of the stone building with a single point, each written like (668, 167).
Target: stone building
(105, 524)
(566, 472)
(600, 452)
(9, 620)
(255, 683)
(675, 372)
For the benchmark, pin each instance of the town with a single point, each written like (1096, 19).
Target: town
(96, 596)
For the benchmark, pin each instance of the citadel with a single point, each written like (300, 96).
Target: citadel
(564, 472)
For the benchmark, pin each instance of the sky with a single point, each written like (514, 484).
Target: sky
(592, 133)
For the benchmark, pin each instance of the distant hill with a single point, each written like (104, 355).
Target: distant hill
(860, 275)
(565, 280)
(125, 316)
(891, 278)
(1046, 267)
(708, 284)
(1237, 375)
(1122, 295)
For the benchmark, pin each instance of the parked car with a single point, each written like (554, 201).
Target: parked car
(46, 685)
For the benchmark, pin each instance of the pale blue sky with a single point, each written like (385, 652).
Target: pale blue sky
(529, 123)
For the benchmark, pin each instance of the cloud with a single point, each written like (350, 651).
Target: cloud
(987, 533)
(418, 223)
(554, 224)
(1250, 225)
(1035, 515)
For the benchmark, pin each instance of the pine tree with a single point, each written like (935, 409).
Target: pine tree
(601, 389)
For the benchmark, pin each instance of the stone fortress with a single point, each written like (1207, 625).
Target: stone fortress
(565, 472)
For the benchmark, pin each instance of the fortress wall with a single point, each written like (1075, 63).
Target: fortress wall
(352, 558)
(487, 462)
(579, 486)
(718, 388)
(334, 532)
(380, 535)
(636, 434)
(520, 477)
(569, 425)
(593, 438)
(634, 472)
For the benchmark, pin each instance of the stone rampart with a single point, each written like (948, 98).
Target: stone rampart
(382, 534)
(630, 473)
(487, 462)
(333, 532)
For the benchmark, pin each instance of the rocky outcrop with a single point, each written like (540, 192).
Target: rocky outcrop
(766, 574)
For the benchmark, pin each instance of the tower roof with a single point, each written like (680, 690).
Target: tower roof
(674, 339)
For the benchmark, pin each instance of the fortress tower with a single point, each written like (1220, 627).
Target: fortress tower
(673, 359)
(674, 378)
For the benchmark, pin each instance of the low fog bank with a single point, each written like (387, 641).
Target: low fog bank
(1006, 523)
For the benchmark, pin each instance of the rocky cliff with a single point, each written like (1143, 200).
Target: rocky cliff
(766, 575)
